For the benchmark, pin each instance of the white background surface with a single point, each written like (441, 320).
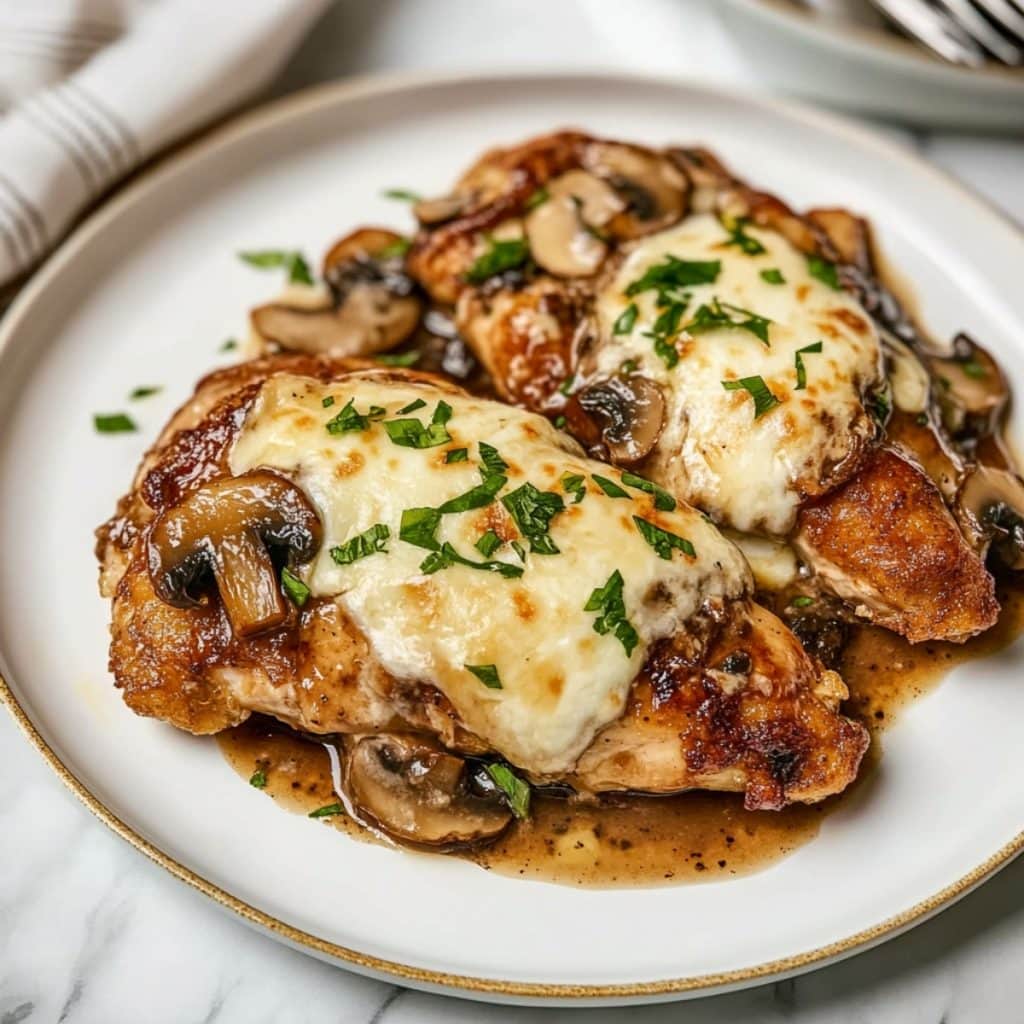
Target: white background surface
(90, 931)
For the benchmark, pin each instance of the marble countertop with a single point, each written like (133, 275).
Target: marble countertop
(91, 931)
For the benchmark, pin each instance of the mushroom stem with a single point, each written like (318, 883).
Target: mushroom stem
(248, 585)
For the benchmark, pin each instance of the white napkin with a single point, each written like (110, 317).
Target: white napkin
(89, 89)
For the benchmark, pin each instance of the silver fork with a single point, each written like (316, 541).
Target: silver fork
(957, 30)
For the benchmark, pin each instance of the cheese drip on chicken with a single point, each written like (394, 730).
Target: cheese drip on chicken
(799, 357)
(512, 640)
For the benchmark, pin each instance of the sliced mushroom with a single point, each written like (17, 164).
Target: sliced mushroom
(991, 502)
(848, 233)
(371, 307)
(910, 381)
(972, 390)
(565, 231)
(223, 527)
(420, 793)
(442, 208)
(630, 411)
(655, 191)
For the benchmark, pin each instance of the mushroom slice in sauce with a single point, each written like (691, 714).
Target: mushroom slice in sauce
(224, 527)
(564, 231)
(972, 390)
(372, 305)
(418, 792)
(630, 410)
(655, 191)
(991, 501)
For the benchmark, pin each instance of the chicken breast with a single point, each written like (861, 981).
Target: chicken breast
(728, 348)
(476, 578)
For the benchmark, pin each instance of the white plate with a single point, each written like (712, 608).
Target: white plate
(145, 294)
(876, 72)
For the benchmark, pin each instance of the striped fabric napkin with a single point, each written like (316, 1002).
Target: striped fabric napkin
(89, 89)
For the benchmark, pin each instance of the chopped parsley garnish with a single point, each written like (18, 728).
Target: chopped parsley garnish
(725, 314)
(350, 419)
(824, 271)
(487, 674)
(397, 248)
(328, 402)
(294, 587)
(369, 542)
(517, 792)
(447, 556)
(113, 423)
(662, 541)
(327, 811)
(566, 386)
(764, 400)
(629, 366)
(773, 276)
(405, 195)
(675, 273)
(739, 237)
(663, 501)
(974, 369)
(144, 392)
(610, 487)
(488, 544)
(410, 433)
(457, 455)
(560, 422)
(229, 345)
(537, 198)
(494, 464)
(626, 320)
(665, 330)
(533, 511)
(612, 618)
(572, 483)
(419, 526)
(290, 259)
(412, 407)
(258, 779)
(398, 358)
(476, 497)
(801, 372)
(501, 256)
(802, 601)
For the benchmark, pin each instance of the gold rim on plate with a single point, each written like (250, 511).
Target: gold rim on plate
(325, 95)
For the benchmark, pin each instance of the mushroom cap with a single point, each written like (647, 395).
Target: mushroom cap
(973, 393)
(222, 527)
(655, 191)
(991, 500)
(630, 410)
(372, 305)
(564, 230)
(419, 793)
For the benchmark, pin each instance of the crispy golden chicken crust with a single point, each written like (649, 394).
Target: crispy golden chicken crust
(888, 543)
(770, 728)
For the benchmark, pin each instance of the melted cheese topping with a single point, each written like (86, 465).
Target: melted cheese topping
(748, 473)
(561, 680)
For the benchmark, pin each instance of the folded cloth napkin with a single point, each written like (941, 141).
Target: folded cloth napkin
(89, 89)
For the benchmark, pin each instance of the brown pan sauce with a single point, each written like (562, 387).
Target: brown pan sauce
(636, 840)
